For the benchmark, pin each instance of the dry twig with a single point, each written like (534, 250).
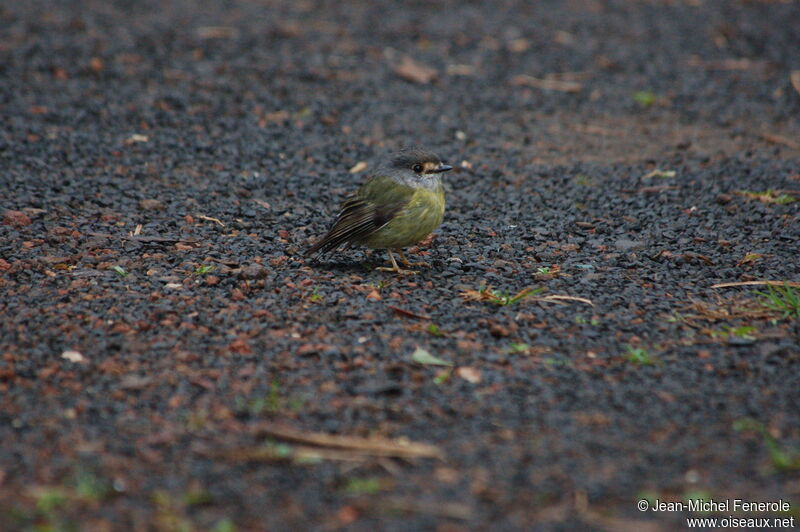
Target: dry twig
(758, 283)
(353, 444)
(408, 313)
(780, 139)
(210, 219)
(548, 83)
(559, 299)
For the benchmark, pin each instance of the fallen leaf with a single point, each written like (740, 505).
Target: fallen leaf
(136, 138)
(749, 258)
(73, 356)
(263, 203)
(659, 173)
(421, 356)
(360, 166)
(151, 204)
(469, 374)
(410, 70)
(134, 382)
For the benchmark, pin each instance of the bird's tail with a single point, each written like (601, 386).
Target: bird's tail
(325, 245)
(313, 250)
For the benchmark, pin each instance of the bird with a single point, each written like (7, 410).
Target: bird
(400, 204)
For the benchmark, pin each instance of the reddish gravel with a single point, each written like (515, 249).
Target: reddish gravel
(169, 361)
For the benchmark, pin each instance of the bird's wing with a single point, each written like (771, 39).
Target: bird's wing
(373, 206)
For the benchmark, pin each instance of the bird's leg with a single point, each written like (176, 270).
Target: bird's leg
(395, 268)
(407, 263)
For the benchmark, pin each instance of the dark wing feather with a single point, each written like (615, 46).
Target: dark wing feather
(363, 213)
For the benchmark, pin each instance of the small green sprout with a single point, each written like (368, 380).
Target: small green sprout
(676, 317)
(435, 330)
(273, 400)
(119, 270)
(279, 450)
(378, 285)
(742, 332)
(781, 460)
(768, 196)
(639, 356)
(51, 499)
(443, 376)
(502, 298)
(271, 403)
(784, 199)
(645, 98)
(224, 525)
(302, 113)
(518, 348)
(784, 299)
(580, 320)
(362, 486)
(89, 486)
(204, 269)
(315, 296)
(197, 497)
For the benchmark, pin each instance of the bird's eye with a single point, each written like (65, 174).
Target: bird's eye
(417, 168)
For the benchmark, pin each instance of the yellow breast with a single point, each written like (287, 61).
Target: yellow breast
(418, 219)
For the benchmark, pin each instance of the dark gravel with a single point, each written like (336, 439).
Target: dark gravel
(134, 361)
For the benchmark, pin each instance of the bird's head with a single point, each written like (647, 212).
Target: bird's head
(418, 167)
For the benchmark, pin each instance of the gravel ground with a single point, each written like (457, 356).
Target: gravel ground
(169, 361)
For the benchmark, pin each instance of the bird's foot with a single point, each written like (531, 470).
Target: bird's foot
(396, 269)
(406, 262)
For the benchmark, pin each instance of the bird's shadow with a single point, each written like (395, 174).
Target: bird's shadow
(353, 266)
(367, 265)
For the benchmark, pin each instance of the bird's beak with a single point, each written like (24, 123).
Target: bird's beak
(443, 168)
